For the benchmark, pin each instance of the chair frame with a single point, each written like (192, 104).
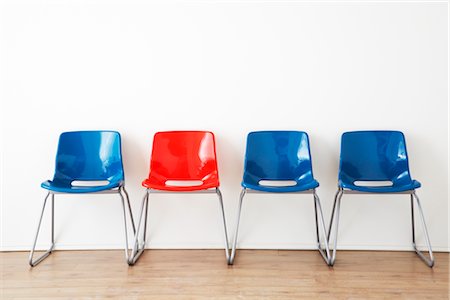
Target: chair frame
(123, 195)
(139, 247)
(336, 211)
(325, 253)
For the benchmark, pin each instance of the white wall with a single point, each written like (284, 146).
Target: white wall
(229, 67)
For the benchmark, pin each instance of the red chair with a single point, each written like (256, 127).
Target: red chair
(187, 157)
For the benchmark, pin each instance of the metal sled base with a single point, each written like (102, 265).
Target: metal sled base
(317, 209)
(139, 246)
(123, 195)
(336, 210)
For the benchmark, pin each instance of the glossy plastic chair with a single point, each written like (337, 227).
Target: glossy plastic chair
(274, 157)
(377, 158)
(185, 157)
(86, 162)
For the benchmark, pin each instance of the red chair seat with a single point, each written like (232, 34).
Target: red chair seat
(183, 155)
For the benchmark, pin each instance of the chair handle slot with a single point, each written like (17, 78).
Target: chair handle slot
(277, 183)
(373, 183)
(183, 182)
(87, 183)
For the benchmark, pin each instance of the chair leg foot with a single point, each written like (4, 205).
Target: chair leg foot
(335, 211)
(428, 260)
(318, 210)
(50, 250)
(137, 251)
(233, 250)
(227, 247)
(126, 202)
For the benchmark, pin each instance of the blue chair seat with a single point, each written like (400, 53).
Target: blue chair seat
(300, 186)
(409, 186)
(67, 188)
(375, 156)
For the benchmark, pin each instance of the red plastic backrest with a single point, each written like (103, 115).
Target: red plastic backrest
(184, 155)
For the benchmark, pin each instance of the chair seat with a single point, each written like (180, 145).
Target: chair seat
(299, 187)
(67, 188)
(409, 186)
(151, 183)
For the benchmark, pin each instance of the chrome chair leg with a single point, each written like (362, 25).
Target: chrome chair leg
(227, 247)
(233, 251)
(50, 250)
(127, 197)
(429, 261)
(318, 208)
(137, 251)
(129, 206)
(336, 210)
(125, 203)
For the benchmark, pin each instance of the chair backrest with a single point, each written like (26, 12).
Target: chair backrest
(277, 155)
(373, 156)
(184, 155)
(88, 155)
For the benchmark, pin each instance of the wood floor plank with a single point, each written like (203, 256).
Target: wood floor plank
(203, 274)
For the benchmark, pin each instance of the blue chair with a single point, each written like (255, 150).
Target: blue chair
(86, 162)
(376, 162)
(271, 159)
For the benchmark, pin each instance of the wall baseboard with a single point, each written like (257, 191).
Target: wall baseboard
(258, 246)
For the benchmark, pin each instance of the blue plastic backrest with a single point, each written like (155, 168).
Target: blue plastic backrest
(88, 155)
(277, 155)
(374, 156)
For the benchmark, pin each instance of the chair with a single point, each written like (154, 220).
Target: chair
(85, 160)
(178, 158)
(273, 157)
(376, 162)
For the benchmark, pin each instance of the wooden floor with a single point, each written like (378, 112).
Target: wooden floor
(203, 274)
